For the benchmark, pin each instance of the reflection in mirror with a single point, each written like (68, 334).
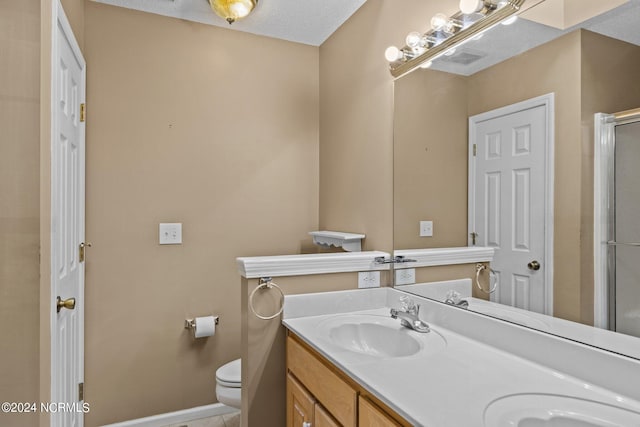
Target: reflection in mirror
(537, 83)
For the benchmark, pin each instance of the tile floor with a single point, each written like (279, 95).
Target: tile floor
(227, 420)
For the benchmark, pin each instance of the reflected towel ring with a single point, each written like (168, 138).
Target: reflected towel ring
(266, 283)
(479, 268)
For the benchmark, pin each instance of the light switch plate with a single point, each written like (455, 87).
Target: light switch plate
(405, 276)
(171, 233)
(426, 228)
(369, 279)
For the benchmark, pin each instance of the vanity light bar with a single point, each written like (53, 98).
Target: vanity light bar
(494, 13)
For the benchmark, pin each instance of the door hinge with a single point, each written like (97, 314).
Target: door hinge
(473, 237)
(81, 391)
(83, 112)
(475, 150)
(81, 250)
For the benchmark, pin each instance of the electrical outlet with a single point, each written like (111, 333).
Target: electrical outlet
(405, 276)
(426, 228)
(369, 279)
(171, 233)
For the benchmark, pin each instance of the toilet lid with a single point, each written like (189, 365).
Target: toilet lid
(230, 374)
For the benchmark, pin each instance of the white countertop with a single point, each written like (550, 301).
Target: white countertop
(448, 388)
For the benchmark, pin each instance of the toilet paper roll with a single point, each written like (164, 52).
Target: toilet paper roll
(204, 327)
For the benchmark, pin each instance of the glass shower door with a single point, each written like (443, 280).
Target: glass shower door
(627, 230)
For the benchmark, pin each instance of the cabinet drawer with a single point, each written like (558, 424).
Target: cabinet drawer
(325, 385)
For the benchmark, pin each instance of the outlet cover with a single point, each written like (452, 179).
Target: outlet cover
(426, 228)
(171, 233)
(405, 276)
(369, 279)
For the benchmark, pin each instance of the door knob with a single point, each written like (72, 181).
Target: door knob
(534, 265)
(69, 304)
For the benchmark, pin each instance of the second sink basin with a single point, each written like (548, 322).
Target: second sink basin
(378, 336)
(548, 410)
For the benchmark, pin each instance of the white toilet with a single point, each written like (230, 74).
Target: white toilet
(229, 384)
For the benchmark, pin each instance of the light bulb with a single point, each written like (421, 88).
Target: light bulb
(393, 54)
(426, 65)
(510, 20)
(471, 6)
(439, 21)
(413, 39)
(239, 10)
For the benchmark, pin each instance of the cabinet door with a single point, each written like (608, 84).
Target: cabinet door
(323, 419)
(300, 404)
(372, 416)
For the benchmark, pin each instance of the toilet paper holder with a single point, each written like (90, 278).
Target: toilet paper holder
(191, 323)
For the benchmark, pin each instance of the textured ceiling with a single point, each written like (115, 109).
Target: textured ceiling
(504, 42)
(303, 21)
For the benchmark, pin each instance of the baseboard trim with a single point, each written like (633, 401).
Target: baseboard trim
(177, 416)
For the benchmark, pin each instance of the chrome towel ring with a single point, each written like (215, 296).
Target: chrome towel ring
(266, 283)
(480, 268)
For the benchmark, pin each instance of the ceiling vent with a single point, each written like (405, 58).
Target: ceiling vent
(464, 57)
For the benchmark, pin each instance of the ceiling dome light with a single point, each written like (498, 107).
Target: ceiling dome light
(471, 6)
(231, 10)
(426, 65)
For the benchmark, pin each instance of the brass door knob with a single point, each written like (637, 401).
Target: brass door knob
(69, 304)
(534, 265)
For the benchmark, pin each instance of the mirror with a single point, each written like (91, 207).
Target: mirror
(575, 64)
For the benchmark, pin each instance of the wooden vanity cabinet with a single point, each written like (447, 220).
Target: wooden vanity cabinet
(320, 395)
(303, 410)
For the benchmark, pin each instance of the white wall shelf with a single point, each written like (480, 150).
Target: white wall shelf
(350, 242)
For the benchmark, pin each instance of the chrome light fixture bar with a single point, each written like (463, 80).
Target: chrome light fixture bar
(490, 13)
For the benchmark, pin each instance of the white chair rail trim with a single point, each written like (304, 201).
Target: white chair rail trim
(301, 265)
(444, 256)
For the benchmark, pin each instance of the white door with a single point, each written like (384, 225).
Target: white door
(510, 199)
(67, 222)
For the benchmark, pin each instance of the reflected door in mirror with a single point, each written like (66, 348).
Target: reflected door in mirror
(507, 199)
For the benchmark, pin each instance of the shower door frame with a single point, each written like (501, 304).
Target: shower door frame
(604, 209)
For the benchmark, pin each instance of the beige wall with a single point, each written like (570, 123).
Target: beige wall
(186, 123)
(430, 159)
(356, 117)
(19, 205)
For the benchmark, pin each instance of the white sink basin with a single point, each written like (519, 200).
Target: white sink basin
(547, 410)
(378, 336)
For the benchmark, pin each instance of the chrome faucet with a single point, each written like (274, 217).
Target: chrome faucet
(454, 298)
(408, 316)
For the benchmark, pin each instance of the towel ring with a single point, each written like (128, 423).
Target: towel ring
(479, 268)
(266, 283)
